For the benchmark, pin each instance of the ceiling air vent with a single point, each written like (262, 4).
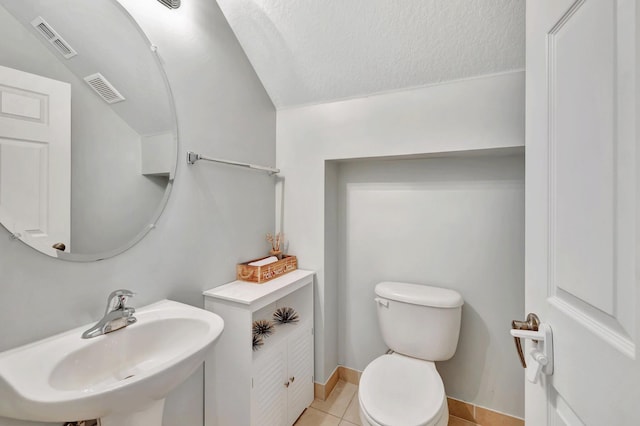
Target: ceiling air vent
(171, 4)
(67, 52)
(103, 88)
(46, 31)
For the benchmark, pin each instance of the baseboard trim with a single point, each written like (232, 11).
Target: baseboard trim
(479, 415)
(349, 375)
(322, 391)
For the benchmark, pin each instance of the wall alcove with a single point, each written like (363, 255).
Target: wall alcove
(453, 220)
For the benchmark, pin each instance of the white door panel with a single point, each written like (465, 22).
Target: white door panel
(23, 165)
(24, 105)
(583, 197)
(581, 189)
(35, 158)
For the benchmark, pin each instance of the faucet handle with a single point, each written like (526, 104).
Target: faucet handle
(120, 297)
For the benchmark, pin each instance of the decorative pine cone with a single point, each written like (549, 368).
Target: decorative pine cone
(257, 342)
(263, 328)
(285, 315)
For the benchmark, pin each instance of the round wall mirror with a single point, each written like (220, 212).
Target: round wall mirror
(88, 134)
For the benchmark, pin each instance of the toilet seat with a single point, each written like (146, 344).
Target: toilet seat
(396, 390)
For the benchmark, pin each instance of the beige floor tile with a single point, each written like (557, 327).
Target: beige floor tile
(457, 421)
(339, 399)
(352, 414)
(313, 417)
(346, 423)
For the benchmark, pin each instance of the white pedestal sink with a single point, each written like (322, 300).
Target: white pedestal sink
(122, 378)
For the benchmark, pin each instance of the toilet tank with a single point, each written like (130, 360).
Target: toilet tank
(419, 320)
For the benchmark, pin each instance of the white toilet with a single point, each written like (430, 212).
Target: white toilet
(420, 324)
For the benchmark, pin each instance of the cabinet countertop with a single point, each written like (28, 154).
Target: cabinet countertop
(247, 293)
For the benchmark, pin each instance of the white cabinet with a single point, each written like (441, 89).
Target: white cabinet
(281, 378)
(270, 386)
(268, 398)
(300, 373)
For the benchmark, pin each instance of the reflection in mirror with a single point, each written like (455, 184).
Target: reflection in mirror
(88, 141)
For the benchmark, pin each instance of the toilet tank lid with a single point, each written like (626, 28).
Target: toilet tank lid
(418, 294)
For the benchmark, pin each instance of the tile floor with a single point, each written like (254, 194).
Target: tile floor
(341, 409)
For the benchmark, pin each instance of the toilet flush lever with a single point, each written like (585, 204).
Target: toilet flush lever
(383, 302)
(541, 354)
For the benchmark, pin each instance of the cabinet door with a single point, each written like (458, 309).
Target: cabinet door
(300, 377)
(269, 392)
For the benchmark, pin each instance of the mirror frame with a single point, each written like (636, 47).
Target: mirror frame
(151, 222)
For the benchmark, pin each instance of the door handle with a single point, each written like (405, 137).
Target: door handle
(541, 354)
(532, 323)
(59, 246)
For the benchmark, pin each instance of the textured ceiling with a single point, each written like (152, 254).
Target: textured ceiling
(313, 51)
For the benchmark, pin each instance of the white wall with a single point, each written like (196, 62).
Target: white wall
(480, 113)
(216, 215)
(453, 222)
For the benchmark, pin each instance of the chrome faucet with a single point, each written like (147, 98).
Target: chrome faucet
(116, 316)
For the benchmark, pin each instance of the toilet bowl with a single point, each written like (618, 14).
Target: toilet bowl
(396, 390)
(420, 324)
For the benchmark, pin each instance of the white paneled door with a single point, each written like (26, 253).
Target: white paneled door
(582, 208)
(35, 158)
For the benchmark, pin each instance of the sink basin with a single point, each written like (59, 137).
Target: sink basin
(121, 377)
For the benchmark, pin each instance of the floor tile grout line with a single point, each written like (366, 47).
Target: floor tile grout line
(329, 396)
(349, 404)
(339, 418)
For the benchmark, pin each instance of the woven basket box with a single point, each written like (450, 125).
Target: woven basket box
(262, 274)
